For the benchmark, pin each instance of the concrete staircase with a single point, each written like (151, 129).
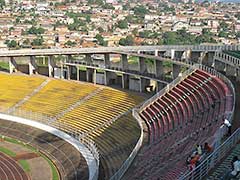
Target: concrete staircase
(35, 91)
(225, 166)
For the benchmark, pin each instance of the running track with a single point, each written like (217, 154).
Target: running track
(10, 170)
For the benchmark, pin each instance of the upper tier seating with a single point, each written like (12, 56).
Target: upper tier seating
(14, 89)
(99, 109)
(187, 114)
(57, 96)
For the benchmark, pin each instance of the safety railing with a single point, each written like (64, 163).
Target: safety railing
(50, 121)
(227, 58)
(207, 164)
(118, 175)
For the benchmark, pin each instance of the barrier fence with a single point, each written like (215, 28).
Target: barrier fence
(207, 164)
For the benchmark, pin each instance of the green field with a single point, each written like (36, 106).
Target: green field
(4, 65)
(24, 164)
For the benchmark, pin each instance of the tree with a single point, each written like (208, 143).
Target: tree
(128, 41)
(122, 24)
(223, 34)
(100, 40)
(11, 43)
(36, 31)
(70, 43)
(37, 42)
(2, 3)
(223, 26)
(140, 10)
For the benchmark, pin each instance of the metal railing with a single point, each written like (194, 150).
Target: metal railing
(50, 121)
(231, 60)
(118, 175)
(207, 164)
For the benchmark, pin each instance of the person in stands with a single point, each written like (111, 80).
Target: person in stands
(207, 148)
(235, 168)
(199, 149)
(229, 126)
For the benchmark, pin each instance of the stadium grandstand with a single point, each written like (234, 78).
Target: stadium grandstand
(95, 116)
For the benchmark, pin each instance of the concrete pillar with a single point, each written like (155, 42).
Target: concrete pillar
(12, 65)
(89, 74)
(238, 75)
(178, 55)
(160, 86)
(156, 53)
(142, 65)
(68, 72)
(231, 70)
(124, 62)
(172, 53)
(176, 70)
(143, 83)
(107, 77)
(219, 66)
(107, 60)
(32, 65)
(88, 58)
(195, 56)
(186, 55)
(78, 73)
(125, 81)
(94, 76)
(210, 58)
(62, 72)
(51, 66)
(159, 70)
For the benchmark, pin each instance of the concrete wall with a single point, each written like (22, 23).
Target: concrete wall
(134, 84)
(43, 70)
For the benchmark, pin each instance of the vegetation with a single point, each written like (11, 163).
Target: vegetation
(128, 41)
(100, 40)
(4, 65)
(24, 164)
(36, 31)
(11, 43)
(7, 151)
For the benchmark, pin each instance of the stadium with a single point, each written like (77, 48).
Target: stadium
(132, 112)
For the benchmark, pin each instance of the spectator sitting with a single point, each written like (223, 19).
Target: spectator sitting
(229, 126)
(207, 148)
(199, 149)
(235, 168)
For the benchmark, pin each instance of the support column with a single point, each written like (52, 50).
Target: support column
(231, 70)
(68, 73)
(125, 81)
(142, 65)
(94, 76)
(159, 70)
(178, 55)
(143, 83)
(88, 58)
(156, 53)
(89, 74)
(107, 60)
(62, 72)
(12, 65)
(32, 65)
(172, 53)
(51, 66)
(238, 75)
(176, 70)
(210, 58)
(78, 74)
(124, 62)
(219, 66)
(160, 86)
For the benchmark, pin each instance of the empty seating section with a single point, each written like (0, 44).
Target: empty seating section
(57, 96)
(115, 143)
(14, 89)
(187, 114)
(199, 92)
(104, 106)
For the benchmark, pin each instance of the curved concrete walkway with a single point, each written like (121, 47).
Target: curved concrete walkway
(91, 162)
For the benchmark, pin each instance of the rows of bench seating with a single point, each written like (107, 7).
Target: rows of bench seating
(57, 96)
(187, 114)
(115, 143)
(16, 88)
(99, 109)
